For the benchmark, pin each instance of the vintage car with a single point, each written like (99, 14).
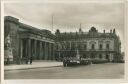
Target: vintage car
(76, 60)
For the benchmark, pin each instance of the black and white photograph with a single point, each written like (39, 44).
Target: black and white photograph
(64, 40)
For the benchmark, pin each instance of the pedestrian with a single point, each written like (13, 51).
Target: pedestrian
(64, 62)
(31, 60)
(7, 60)
(68, 61)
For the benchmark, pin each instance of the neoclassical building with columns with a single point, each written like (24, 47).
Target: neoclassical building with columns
(21, 42)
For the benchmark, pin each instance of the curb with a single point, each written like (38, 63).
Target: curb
(32, 68)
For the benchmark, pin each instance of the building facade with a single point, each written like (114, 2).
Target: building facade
(92, 44)
(21, 42)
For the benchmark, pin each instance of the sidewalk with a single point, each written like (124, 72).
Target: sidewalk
(35, 64)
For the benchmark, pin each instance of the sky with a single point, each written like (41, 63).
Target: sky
(67, 16)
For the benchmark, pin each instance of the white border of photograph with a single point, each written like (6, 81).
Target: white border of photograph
(62, 81)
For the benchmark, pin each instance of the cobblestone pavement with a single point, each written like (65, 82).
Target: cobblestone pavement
(94, 71)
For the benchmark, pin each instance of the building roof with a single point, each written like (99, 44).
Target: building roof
(93, 33)
(24, 28)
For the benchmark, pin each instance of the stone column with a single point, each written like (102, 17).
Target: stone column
(26, 49)
(40, 53)
(19, 57)
(21, 53)
(50, 51)
(32, 48)
(29, 48)
(45, 50)
(35, 47)
(38, 50)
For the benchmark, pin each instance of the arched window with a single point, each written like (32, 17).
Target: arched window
(100, 46)
(93, 46)
(107, 46)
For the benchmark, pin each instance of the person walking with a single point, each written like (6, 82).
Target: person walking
(64, 62)
(31, 60)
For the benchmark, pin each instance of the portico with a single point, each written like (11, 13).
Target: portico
(37, 49)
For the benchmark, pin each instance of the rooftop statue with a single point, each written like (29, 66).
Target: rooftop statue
(93, 29)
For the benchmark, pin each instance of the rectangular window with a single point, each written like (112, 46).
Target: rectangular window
(85, 47)
(107, 46)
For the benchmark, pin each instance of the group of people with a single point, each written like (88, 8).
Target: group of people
(66, 61)
(28, 60)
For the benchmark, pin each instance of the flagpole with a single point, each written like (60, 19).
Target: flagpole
(52, 21)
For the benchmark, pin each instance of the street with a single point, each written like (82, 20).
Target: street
(94, 71)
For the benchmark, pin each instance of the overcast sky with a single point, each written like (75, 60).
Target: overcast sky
(68, 16)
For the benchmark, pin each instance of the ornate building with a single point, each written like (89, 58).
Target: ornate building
(26, 41)
(92, 44)
(23, 42)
